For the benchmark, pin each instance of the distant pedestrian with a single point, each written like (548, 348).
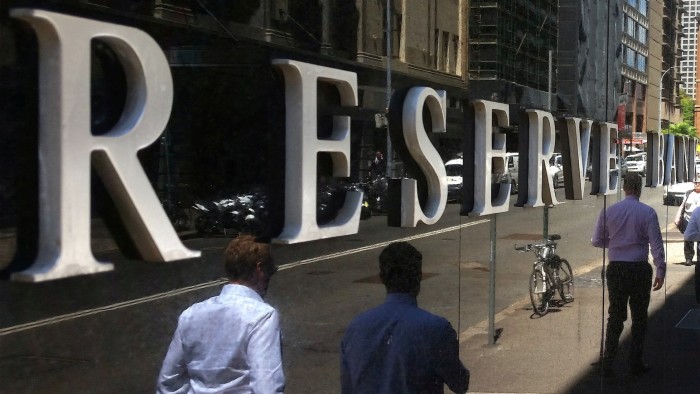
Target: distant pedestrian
(692, 233)
(690, 202)
(628, 229)
(230, 342)
(397, 347)
(378, 165)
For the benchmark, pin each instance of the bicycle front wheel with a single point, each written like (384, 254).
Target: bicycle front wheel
(566, 281)
(539, 293)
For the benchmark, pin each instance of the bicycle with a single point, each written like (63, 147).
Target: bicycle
(550, 273)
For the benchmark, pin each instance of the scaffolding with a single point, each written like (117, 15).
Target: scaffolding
(510, 40)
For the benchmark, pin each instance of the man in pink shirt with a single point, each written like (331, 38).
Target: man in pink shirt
(629, 229)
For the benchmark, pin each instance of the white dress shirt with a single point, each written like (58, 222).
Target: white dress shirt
(691, 202)
(228, 343)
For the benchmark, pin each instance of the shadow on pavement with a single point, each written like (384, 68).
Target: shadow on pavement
(671, 352)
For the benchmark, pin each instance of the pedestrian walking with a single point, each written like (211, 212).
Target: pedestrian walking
(692, 234)
(690, 202)
(378, 165)
(397, 347)
(629, 229)
(230, 342)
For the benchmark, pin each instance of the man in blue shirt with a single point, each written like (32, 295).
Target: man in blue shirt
(629, 229)
(397, 347)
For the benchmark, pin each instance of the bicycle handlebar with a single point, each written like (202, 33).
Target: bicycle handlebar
(525, 248)
(550, 242)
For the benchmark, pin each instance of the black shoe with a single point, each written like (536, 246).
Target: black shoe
(688, 263)
(639, 369)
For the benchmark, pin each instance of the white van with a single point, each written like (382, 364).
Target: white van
(637, 163)
(453, 168)
(510, 173)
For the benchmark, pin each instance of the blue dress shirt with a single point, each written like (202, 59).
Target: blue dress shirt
(397, 347)
(692, 232)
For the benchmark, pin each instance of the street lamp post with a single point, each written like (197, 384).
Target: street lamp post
(661, 89)
(389, 150)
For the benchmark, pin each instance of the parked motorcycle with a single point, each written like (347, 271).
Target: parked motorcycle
(241, 213)
(378, 188)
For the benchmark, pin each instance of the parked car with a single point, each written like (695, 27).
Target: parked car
(557, 168)
(637, 164)
(674, 194)
(623, 170)
(620, 167)
(512, 160)
(453, 168)
(509, 174)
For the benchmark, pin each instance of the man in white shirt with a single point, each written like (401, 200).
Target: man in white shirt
(690, 202)
(230, 342)
(692, 234)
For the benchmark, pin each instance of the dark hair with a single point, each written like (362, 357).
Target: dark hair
(242, 255)
(633, 184)
(400, 268)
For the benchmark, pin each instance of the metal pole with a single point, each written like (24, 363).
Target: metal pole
(620, 147)
(545, 213)
(389, 150)
(492, 283)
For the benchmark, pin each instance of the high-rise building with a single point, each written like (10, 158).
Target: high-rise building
(663, 104)
(510, 43)
(689, 45)
(651, 65)
(635, 41)
(588, 76)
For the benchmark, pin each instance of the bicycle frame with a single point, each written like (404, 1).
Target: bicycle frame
(545, 279)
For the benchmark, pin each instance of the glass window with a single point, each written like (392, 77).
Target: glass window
(219, 165)
(630, 57)
(642, 34)
(643, 7)
(631, 27)
(641, 62)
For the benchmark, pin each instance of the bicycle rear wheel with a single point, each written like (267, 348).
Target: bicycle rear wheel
(539, 294)
(566, 281)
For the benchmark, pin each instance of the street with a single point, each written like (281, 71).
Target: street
(108, 333)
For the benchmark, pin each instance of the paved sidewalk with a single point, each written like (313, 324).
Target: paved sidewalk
(554, 353)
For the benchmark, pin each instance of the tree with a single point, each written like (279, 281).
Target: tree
(682, 128)
(687, 107)
(685, 127)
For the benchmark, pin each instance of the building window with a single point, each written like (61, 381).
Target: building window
(641, 62)
(455, 52)
(396, 27)
(642, 34)
(630, 27)
(436, 47)
(643, 7)
(445, 50)
(630, 57)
